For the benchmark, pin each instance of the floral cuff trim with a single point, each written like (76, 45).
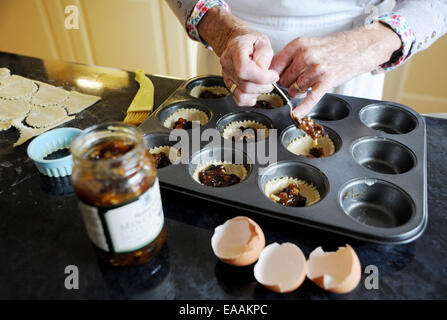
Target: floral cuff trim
(201, 7)
(398, 23)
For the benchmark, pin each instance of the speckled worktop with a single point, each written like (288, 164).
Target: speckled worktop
(42, 232)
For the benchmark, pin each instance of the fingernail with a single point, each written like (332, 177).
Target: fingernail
(276, 77)
(297, 113)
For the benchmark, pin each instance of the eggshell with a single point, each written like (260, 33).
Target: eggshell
(281, 268)
(239, 241)
(337, 272)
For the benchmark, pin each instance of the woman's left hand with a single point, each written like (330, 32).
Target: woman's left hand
(324, 63)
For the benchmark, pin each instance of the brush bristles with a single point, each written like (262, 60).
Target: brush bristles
(136, 117)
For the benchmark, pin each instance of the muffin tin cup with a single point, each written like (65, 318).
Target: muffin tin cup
(350, 123)
(383, 155)
(224, 121)
(291, 133)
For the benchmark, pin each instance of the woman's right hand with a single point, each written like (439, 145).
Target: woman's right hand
(245, 55)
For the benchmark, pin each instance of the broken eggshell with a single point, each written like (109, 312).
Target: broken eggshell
(337, 272)
(239, 241)
(281, 268)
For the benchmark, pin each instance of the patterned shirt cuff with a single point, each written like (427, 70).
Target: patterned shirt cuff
(398, 23)
(201, 7)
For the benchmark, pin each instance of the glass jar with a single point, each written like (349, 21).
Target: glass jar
(116, 183)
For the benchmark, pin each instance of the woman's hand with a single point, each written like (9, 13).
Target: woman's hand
(245, 55)
(324, 63)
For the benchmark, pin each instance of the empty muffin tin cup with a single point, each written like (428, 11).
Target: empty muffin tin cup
(49, 142)
(383, 155)
(330, 108)
(376, 203)
(165, 112)
(297, 170)
(388, 118)
(243, 116)
(291, 133)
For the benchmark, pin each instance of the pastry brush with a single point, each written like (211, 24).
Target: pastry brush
(143, 102)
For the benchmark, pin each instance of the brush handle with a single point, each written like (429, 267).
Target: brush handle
(144, 99)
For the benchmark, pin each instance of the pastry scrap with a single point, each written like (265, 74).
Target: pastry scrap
(291, 192)
(41, 117)
(77, 102)
(4, 74)
(163, 156)
(304, 146)
(211, 92)
(5, 125)
(48, 95)
(186, 117)
(17, 87)
(244, 131)
(27, 133)
(219, 174)
(269, 101)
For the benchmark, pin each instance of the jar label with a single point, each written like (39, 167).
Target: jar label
(128, 227)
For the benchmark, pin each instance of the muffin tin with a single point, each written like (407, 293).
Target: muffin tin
(372, 188)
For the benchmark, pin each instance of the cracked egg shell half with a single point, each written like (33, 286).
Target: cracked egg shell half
(281, 268)
(337, 272)
(239, 241)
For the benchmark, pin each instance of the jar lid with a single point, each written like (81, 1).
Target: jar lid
(49, 142)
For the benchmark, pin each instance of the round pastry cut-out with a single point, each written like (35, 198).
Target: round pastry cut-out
(269, 101)
(279, 185)
(304, 146)
(186, 115)
(209, 92)
(40, 117)
(48, 95)
(17, 87)
(219, 173)
(13, 109)
(240, 131)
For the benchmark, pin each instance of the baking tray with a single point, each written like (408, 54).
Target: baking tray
(373, 187)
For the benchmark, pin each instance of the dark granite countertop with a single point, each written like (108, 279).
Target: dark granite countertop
(41, 229)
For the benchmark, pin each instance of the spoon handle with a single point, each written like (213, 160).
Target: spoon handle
(286, 98)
